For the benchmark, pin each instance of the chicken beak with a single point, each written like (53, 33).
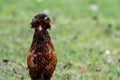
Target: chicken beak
(39, 27)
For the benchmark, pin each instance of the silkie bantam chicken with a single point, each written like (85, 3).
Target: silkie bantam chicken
(42, 58)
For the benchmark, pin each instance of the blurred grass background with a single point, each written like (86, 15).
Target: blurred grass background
(86, 38)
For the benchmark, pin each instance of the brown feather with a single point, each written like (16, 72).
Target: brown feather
(42, 58)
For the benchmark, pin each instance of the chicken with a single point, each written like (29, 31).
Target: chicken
(42, 58)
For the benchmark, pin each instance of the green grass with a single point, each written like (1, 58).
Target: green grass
(80, 41)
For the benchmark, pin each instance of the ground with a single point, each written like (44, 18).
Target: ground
(86, 37)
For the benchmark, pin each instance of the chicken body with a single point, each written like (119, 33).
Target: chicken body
(42, 58)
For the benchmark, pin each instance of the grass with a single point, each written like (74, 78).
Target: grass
(81, 42)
